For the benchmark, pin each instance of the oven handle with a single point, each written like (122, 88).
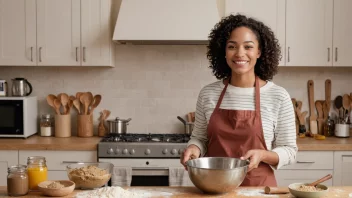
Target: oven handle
(150, 168)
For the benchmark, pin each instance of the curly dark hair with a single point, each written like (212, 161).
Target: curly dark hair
(267, 64)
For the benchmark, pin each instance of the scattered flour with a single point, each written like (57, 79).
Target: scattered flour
(350, 195)
(118, 192)
(109, 192)
(254, 192)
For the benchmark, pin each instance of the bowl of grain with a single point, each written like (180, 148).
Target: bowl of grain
(304, 191)
(90, 175)
(58, 188)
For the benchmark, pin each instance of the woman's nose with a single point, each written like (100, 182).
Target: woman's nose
(240, 52)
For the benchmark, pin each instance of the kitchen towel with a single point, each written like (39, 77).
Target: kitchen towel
(178, 176)
(121, 176)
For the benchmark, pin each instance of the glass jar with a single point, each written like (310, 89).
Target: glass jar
(37, 171)
(329, 127)
(17, 180)
(47, 125)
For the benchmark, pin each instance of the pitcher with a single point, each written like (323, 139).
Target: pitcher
(20, 87)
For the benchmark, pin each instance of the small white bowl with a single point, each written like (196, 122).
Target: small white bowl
(59, 192)
(305, 194)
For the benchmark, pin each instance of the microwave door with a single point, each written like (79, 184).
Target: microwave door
(11, 117)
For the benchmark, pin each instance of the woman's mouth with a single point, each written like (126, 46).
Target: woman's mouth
(240, 63)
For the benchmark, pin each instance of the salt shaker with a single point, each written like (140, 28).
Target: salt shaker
(47, 125)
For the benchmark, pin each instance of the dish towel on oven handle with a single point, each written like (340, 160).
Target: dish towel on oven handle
(121, 176)
(178, 176)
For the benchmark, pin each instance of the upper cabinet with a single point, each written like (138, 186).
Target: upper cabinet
(342, 40)
(270, 12)
(309, 32)
(56, 33)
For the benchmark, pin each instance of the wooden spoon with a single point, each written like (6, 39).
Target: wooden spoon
(77, 104)
(69, 106)
(57, 104)
(86, 101)
(327, 177)
(346, 101)
(64, 101)
(96, 102)
(50, 99)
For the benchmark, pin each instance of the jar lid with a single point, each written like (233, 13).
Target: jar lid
(35, 160)
(117, 119)
(17, 168)
(48, 116)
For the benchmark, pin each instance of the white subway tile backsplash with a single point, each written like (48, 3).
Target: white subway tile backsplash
(154, 84)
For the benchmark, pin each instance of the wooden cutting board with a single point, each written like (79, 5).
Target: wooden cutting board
(313, 125)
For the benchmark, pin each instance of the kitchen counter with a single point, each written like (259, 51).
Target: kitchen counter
(241, 192)
(90, 144)
(36, 142)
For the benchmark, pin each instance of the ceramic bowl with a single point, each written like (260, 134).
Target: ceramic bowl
(57, 192)
(305, 194)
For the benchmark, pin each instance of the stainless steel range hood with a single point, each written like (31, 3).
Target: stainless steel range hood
(166, 21)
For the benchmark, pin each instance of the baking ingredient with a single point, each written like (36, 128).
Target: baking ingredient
(109, 192)
(55, 185)
(253, 193)
(89, 176)
(36, 175)
(308, 188)
(17, 181)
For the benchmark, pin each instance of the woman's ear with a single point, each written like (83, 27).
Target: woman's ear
(259, 53)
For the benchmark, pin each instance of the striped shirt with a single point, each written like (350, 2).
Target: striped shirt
(277, 114)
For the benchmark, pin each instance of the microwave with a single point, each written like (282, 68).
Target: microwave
(18, 116)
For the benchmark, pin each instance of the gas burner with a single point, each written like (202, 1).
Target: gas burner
(135, 137)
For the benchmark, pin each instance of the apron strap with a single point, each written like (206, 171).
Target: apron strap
(222, 94)
(257, 95)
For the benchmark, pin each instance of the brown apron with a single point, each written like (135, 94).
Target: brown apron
(231, 133)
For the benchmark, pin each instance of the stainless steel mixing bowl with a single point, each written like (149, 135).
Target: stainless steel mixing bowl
(217, 174)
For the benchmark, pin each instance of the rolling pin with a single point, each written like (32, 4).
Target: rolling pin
(274, 190)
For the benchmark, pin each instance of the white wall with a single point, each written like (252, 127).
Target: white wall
(154, 84)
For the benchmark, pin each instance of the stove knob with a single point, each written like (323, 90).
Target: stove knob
(117, 151)
(125, 151)
(132, 152)
(110, 150)
(165, 151)
(173, 151)
(147, 151)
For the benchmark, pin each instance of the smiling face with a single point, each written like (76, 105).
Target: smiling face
(242, 51)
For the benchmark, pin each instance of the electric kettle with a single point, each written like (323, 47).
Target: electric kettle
(21, 87)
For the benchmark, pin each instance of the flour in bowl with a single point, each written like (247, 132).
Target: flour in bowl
(109, 192)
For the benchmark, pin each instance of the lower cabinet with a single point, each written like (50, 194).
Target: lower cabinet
(7, 158)
(57, 161)
(343, 168)
(309, 166)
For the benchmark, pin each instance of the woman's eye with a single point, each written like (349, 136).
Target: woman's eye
(248, 47)
(231, 47)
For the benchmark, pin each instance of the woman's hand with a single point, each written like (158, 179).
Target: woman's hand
(191, 152)
(255, 157)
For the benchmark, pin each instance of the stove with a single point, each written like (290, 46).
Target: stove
(136, 145)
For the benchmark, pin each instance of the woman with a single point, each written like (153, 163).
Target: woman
(245, 115)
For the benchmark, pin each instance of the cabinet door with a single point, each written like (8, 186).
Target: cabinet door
(309, 32)
(270, 12)
(96, 33)
(17, 32)
(58, 32)
(342, 168)
(7, 159)
(287, 177)
(342, 40)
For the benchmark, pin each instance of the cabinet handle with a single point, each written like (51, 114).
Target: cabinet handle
(32, 54)
(40, 54)
(84, 54)
(288, 54)
(76, 54)
(69, 162)
(328, 54)
(336, 54)
(300, 162)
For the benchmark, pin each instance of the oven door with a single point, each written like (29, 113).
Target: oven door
(141, 172)
(11, 117)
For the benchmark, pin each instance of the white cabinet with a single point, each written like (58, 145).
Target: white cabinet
(18, 32)
(309, 166)
(270, 12)
(57, 161)
(309, 32)
(56, 33)
(343, 168)
(342, 40)
(7, 159)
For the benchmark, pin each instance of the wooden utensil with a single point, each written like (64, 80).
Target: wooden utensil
(346, 102)
(50, 99)
(328, 94)
(102, 129)
(86, 101)
(77, 105)
(275, 190)
(57, 104)
(327, 177)
(64, 101)
(312, 118)
(320, 119)
(338, 105)
(96, 102)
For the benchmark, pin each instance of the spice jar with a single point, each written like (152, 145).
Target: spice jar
(329, 127)
(17, 180)
(37, 171)
(47, 125)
